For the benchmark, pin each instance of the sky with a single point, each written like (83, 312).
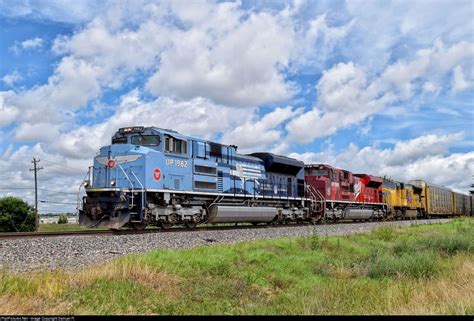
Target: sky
(378, 87)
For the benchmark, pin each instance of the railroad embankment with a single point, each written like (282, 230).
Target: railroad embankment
(421, 269)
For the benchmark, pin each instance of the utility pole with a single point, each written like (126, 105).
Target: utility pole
(36, 169)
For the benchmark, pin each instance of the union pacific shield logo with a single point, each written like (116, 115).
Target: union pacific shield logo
(157, 174)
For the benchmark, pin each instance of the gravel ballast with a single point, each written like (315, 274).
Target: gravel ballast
(72, 252)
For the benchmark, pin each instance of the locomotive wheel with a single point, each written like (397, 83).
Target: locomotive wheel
(190, 224)
(139, 226)
(166, 225)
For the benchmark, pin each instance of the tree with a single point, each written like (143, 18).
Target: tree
(16, 215)
(62, 219)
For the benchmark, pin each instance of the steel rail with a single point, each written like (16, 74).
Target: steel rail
(19, 235)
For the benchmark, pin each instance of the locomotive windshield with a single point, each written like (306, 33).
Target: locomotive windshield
(119, 140)
(320, 172)
(146, 140)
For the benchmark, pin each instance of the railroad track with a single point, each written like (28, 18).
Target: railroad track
(19, 235)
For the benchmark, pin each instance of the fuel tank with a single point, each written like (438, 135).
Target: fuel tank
(239, 214)
(411, 213)
(358, 214)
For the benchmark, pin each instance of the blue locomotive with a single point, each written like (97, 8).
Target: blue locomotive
(154, 176)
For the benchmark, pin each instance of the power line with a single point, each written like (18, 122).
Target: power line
(59, 192)
(14, 178)
(40, 189)
(22, 196)
(42, 201)
(62, 165)
(16, 187)
(58, 164)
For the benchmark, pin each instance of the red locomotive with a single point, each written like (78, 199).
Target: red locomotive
(345, 195)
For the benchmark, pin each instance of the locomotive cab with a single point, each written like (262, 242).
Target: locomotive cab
(115, 179)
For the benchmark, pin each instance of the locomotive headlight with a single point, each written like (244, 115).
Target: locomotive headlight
(86, 183)
(112, 182)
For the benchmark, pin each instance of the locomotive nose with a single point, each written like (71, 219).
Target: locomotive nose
(107, 210)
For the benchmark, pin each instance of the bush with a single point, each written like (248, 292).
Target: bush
(16, 215)
(62, 219)
(451, 245)
(417, 265)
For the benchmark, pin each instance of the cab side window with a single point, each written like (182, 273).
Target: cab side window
(146, 140)
(174, 145)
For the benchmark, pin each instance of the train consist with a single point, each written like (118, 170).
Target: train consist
(154, 176)
(361, 196)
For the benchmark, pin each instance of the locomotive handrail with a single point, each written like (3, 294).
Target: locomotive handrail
(143, 188)
(315, 194)
(79, 190)
(138, 180)
(129, 180)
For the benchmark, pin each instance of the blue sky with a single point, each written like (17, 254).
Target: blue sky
(384, 87)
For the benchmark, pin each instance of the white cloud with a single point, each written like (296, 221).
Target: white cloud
(429, 63)
(318, 42)
(63, 176)
(219, 52)
(383, 28)
(430, 88)
(11, 78)
(55, 10)
(459, 82)
(259, 134)
(347, 94)
(34, 132)
(232, 59)
(345, 97)
(405, 152)
(8, 113)
(225, 54)
(28, 44)
(72, 85)
(425, 157)
(195, 117)
(33, 43)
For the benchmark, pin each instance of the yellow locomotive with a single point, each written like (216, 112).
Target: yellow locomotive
(403, 200)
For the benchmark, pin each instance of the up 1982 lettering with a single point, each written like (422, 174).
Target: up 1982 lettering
(176, 162)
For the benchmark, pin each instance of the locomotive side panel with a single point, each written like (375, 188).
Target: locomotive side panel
(347, 195)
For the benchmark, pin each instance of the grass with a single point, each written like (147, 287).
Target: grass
(423, 269)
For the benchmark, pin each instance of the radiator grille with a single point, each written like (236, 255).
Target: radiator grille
(204, 169)
(204, 185)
